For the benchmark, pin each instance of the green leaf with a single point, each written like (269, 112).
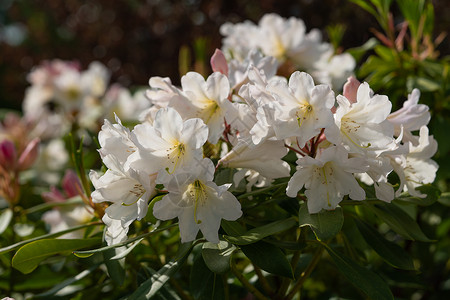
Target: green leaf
(29, 256)
(152, 285)
(258, 233)
(269, 258)
(232, 227)
(423, 84)
(325, 224)
(67, 282)
(217, 257)
(432, 192)
(5, 219)
(399, 221)
(204, 284)
(368, 282)
(366, 6)
(87, 253)
(46, 236)
(358, 52)
(115, 268)
(392, 253)
(127, 251)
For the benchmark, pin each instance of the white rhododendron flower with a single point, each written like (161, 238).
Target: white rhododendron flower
(362, 125)
(286, 40)
(128, 191)
(169, 145)
(412, 116)
(205, 100)
(304, 108)
(327, 178)
(416, 167)
(264, 158)
(198, 203)
(115, 139)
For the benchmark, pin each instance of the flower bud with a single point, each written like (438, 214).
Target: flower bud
(219, 62)
(71, 184)
(29, 155)
(8, 155)
(53, 196)
(351, 88)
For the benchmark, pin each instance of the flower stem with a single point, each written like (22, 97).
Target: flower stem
(247, 284)
(305, 274)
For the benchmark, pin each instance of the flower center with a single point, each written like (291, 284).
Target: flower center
(174, 154)
(303, 113)
(208, 110)
(349, 127)
(197, 193)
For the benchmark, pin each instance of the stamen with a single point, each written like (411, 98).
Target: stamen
(178, 151)
(326, 182)
(138, 190)
(199, 196)
(354, 143)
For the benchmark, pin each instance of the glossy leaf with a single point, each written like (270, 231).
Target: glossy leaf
(389, 251)
(67, 282)
(115, 269)
(152, 285)
(217, 257)
(204, 284)
(399, 221)
(368, 282)
(46, 236)
(29, 256)
(258, 233)
(269, 258)
(325, 224)
(433, 194)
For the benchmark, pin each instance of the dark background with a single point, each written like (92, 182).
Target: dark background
(139, 39)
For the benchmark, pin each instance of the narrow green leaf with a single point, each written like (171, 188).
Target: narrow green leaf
(5, 219)
(399, 221)
(152, 285)
(358, 52)
(269, 258)
(124, 253)
(67, 282)
(88, 253)
(432, 192)
(366, 6)
(217, 257)
(325, 224)
(368, 282)
(258, 233)
(46, 236)
(115, 269)
(29, 256)
(392, 253)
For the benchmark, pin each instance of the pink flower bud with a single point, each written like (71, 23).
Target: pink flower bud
(351, 89)
(53, 196)
(8, 155)
(71, 184)
(29, 155)
(219, 62)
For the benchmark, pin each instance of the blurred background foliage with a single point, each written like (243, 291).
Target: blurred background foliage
(139, 39)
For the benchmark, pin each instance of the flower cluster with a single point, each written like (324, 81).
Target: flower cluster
(62, 95)
(287, 41)
(338, 140)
